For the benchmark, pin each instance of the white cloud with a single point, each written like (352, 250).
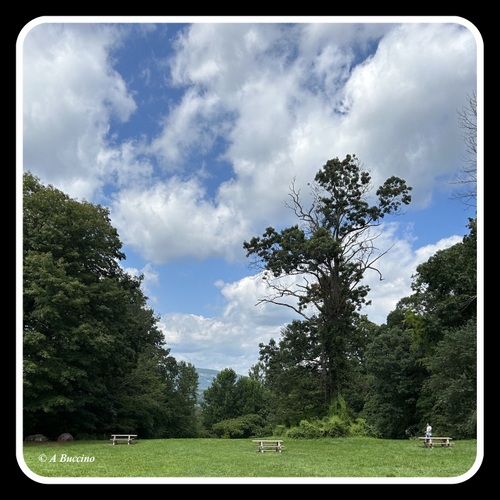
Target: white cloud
(278, 116)
(283, 129)
(172, 219)
(402, 105)
(71, 93)
(397, 267)
(193, 124)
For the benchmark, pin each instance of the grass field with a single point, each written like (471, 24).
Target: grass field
(228, 458)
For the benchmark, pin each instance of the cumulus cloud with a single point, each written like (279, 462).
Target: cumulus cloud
(401, 111)
(71, 93)
(283, 101)
(396, 269)
(172, 219)
(194, 149)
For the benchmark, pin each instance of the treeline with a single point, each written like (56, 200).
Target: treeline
(95, 361)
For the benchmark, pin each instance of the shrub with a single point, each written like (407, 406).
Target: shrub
(334, 426)
(361, 428)
(241, 427)
(305, 430)
(279, 430)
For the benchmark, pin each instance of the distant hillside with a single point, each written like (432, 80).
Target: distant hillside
(205, 378)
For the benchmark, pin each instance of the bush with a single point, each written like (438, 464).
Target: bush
(361, 428)
(279, 431)
(205, 434)
(305, 430)
(228, 429)
(333, 426)
(242, 427)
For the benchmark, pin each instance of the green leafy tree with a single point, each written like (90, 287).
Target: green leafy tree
(316, 267)
(140, 399)
(291, 371)
(181, 391)
(449, 397)
(251, 397)
(219, 400)
(232, 397)
(292, 374)
(395, 378)
(92, 351)
(444, 291)
(71, 285)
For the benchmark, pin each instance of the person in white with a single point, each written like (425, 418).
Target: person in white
(428, 431)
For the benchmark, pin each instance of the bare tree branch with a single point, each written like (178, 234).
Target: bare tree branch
(467, 174)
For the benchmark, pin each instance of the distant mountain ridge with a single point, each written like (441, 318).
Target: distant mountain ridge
(205, 378)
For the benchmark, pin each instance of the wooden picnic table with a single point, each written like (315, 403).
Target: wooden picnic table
(268, 445)
(123, 437)
(429, 442)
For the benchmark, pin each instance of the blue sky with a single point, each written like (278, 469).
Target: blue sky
(191, 132)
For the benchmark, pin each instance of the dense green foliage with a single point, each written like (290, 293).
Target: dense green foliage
(242, 427)
(93, 358)
(450, 392)
(395, 377)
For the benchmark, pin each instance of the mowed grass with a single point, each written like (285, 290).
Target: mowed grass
(237, 458)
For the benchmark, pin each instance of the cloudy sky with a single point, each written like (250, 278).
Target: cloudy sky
(191, 131)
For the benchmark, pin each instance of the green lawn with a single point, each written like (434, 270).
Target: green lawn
(228, 458)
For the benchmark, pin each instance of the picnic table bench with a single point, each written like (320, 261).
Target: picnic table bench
(429, 442)
(268, 445)
(123, 437)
